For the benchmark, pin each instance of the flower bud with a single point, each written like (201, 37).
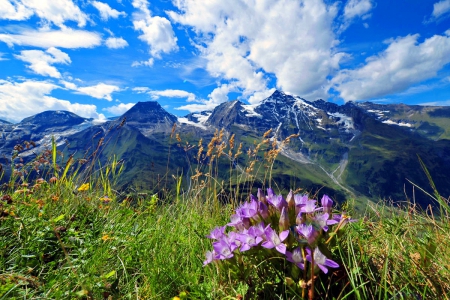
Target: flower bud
(284, 220)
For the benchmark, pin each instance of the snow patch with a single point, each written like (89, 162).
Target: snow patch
(250, 109)
(343, 119)
(187, 121)
(201, 118)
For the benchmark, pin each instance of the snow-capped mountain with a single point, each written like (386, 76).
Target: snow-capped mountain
(358, 148)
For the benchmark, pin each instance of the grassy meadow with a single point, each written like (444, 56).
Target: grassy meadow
(71, 235)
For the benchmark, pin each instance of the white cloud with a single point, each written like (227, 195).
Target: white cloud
(19, 100)
(405, 62)
(147, 63)
(49, 11)
(441, 8)
(171, 94)
(293, 41)
(1, 56)
(119, 109)
(44, 38)
(99, 91)
(357, 8)
(41, 62)
(216, 97)
(116, 43)
(106, 11)
(14, 11)
(156, 31)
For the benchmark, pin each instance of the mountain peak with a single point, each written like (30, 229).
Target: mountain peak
(148, 112)
(54, 118)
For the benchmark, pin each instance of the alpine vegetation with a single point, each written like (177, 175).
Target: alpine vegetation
(283, 237)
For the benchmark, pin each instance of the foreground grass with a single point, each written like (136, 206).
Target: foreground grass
(57, 244)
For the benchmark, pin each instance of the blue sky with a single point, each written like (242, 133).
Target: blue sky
(98, 58)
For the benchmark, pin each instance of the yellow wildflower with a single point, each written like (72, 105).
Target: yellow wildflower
(84, 187)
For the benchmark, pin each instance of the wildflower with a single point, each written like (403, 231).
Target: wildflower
(309, 207)
(248, 209)
(209, 257)
(300, 201)
(217, 233)
(83, 187)
(261, 196)
(308, 232)
(290, 199)
(53, 179)
(250, 238)
(321, 260)
(296, 257)
(222, 249)
(105, 238)
(327, 203)
(284, 219)
(323, 221)
(277, 201)
(238, 222)
(275, 241)
(105, 199)
(263, 210)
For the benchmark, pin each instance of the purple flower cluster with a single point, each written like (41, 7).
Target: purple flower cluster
(294, 227)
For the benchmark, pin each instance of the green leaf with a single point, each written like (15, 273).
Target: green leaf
(58, 218)
(112, 273)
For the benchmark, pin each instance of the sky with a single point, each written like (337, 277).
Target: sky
(98, 58)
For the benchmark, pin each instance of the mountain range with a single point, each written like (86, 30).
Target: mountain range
(359, 150)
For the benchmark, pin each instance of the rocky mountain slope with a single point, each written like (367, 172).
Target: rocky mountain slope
(356, 149)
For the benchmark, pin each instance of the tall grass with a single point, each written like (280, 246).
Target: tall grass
(60, 240)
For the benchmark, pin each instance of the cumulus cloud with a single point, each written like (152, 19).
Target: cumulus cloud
(147, 63)
(49, 11)
(441, 8)
(41, 62)
(19, 100)
(106, 11)
(44, 38)
(405, 62)
(156, 31)
(291, 40)
(99, 91)
(14, 11)
(120, 109)
(216, 97)
(169, 93)
(116, 43)
(357, 8)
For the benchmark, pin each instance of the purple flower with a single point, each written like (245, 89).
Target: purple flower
(277, 201)
(238, 222)
(308, 232)
(296, 257)
(222, 250)
(344, 219)
(250, 238)
(323, 221)
(300, 200)
(263, 210)
(290, 199)
(261, 196)
(327, 203)
(248, 209)
(210, 256)
(284, 219)
(321, 260)
(309, 207)
(270, 192)
(217, 233)
(275, 241)
(233, 240)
